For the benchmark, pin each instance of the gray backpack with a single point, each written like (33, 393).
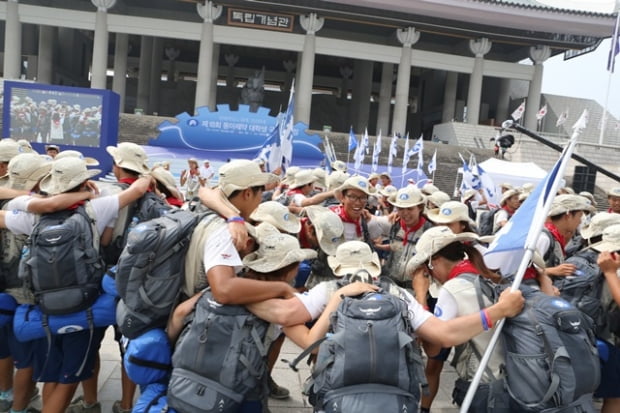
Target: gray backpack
(219, 360)
(552, 363)
(369, 361)
(150, 271)
(61, 262)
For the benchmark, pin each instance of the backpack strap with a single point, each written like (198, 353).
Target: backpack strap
(88, 212)
(366, 234)
(155, 400)
(293, 364)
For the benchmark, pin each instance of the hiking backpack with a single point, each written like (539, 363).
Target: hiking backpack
(487, 222)
(61, 262)
(219, 360)
(584, 288)
(369, 360)
(552, 362)
(150, 271)
(149, 206)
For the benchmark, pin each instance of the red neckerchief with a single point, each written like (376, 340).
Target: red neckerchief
(530, 273)
(340, 211)
(556, 234)
(76, 205)
(303, 237)
(509, 210)
(462, 267)
(174, 201)
(411, 230)
(294, 192)
(127, 181)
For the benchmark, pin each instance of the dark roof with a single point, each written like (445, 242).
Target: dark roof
(536, 5)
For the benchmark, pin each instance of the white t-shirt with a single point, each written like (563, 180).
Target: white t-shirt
(297, 199)
(19, 221)
(315, 300)
(206, 173)
(350, 230)
(220, 250)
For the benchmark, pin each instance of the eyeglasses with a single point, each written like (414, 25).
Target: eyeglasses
(355, 198)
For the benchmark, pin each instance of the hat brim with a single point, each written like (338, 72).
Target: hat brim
(259, 179)
(52, 187)
(268, 264)
(346, 186)
(340, 270)
(132, 166)
(436, 216)
(293, 226)
(421, 257)
(394, 201)
(297, 184)
(603, 246)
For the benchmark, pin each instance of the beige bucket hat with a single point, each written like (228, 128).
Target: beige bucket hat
(242, 174)
(353, 256)
(26, 170)
(77, 154)
(434, 240)
(277, 215)
(569, 202)
(275, 251)
(328, 226)
(448, 212)
(407, 197)
(66, 174)
(129, 155)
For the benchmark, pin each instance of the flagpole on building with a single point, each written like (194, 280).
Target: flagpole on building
(604, 118)
(613, 51)
(535, 229)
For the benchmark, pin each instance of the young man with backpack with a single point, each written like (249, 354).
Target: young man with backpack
(355, 256)
(71, 357)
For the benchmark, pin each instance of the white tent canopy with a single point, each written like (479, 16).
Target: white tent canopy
(514, 173)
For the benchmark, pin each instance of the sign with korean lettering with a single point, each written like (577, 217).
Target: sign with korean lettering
(261, 20)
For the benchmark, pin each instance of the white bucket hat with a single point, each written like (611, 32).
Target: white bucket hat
(611, 240)
(242, 174)
(388, 190)
(569, 202)
(289, 176)
(77, 154)
(275, 251)
(129, 155)
(26, 170)
(438, 198)
(356, 182)
(328, 226)
(598, 223)
(277, 215)
(165, 178)
(336, 179)
(66, 174)
(429, 189)
(407, 197)
(507, 195)
(434, 240)
(615, 191)
(303, 177)
(448, 212)
(339, 166)
(353, 256)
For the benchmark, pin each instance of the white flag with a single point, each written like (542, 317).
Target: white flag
(406, 155)
(375, 153)
(582, 122)
(542, 112)
(432, 165)
(518, 113)
(562, 119)
(418, 147)
(393, 153)
(365, 143)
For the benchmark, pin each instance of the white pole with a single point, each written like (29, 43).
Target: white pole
(535, 229)
(604, 118)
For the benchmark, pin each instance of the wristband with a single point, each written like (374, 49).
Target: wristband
(483, 318)
(236, 219)
(426, 307)
(488, 318)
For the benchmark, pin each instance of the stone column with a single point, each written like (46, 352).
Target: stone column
(12, 41)
(172, 54)
(408, 37)
(45, 59)
(99, 65)
(538, 55)
(144, 74)
(209, 13)
(155, 79)
(385, 98)
(362, 88)
(303, 93)
(503, 100)
(479, 48)
(214, 77)
(119, 82)
(449, 96)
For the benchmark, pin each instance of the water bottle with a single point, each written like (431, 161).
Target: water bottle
(132, 224)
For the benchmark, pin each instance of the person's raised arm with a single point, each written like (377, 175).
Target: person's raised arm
(317, 198)
(135, 191)
(448, 333)
(57, 202)
(609, 262)
(9, 193)
(212, 198)
(285, 312)
(175, 323)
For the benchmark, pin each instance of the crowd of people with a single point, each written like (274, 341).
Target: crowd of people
(283, 246)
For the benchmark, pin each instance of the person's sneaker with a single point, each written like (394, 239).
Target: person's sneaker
(116, 408)
(78, 406)
(277, 392)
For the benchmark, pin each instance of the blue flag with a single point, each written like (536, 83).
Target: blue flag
(615, 46)
(352, 140)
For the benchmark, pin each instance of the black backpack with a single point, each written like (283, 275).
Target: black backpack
(219, 360)
(150, 271)
(487, 222)
(369, 360)
(61, 263)
(149, 206)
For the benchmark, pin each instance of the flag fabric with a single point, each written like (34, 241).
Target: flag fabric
(582, 122)
(541, 112)
(420, 167)
(418, 147)
(271, 151)
(287, 129)
(518, 113)
(523, 229)
(366, 143)
(393, 152)
(488, 187)
(375, 153)
(406, 156)
(615, 46)
(432, 165)
(562, 119)
(470, 180)
(352, 140)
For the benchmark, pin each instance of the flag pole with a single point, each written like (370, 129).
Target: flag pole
(530, 246)
(348, 151)
(604, 118)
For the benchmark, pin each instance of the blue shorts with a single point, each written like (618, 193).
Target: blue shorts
(5, 350)
(22, 352)
(610, 375)
(71, 357)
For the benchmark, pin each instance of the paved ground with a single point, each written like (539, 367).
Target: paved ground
(110, 381)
